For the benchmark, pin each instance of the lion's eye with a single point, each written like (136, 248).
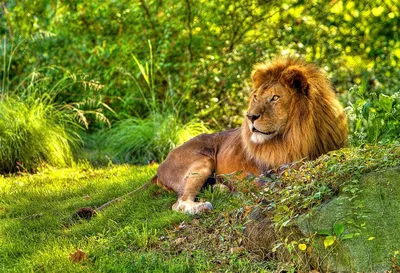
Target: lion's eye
(275, 98)
(255, 98)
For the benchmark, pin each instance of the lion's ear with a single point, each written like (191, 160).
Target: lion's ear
(259, 75)
(295, 78)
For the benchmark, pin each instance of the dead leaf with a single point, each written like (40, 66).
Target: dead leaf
(78, 256)
(247, 210)
(181, 226)
(87, 197)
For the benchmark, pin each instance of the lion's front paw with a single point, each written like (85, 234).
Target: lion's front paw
(191, 207)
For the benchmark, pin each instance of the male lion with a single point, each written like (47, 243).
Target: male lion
(293, 114)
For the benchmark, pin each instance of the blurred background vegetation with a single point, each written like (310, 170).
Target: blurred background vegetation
(129, 80)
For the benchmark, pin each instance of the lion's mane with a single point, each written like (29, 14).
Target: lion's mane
(317, 122)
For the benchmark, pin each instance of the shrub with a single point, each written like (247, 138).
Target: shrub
(374, 116)
(33, 131)
(141, 141)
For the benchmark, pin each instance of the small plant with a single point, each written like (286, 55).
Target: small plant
(36, 126)
(337, 235)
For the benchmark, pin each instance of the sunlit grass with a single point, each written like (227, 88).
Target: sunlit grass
(37, 232)
(33, 131)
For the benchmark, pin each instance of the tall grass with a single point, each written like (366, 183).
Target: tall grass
(34, 131)
(34, 127)
(140, 141)
(151, 137)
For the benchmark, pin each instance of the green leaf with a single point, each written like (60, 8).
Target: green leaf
(324, 232)
(338, 228)
(329, 240)
(348, 236)
(386, 102)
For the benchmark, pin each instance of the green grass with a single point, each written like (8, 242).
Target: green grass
(139, 234)
(141, 141)
(33, 131)
(142, 233)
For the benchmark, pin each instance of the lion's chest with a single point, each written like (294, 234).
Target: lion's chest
(231, 158)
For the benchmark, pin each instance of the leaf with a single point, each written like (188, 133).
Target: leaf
(338, 228)
(329, 240)
(386, 102)
(78, 256)
(324, 232)
(302, 247)
(371, 238)
(347, 236)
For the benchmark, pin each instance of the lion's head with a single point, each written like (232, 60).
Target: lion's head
(293, 114)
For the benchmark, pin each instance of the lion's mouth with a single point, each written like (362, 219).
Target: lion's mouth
(265, 133)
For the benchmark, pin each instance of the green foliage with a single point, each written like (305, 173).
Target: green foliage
(35, 128)
(34, 131)
(144, 140)
(374, 116)
(162, 126)
(209, 46)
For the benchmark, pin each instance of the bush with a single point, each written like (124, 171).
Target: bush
(33, 131)
(141, 141)
(374, 116)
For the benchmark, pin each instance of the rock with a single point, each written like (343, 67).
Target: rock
(374, 214)
(371, 221)
(179, 241)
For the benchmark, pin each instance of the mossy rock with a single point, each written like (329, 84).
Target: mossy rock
(372, 216)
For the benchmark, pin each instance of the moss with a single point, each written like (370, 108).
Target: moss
(372, 216)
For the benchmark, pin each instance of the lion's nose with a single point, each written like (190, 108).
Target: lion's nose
(252, 117)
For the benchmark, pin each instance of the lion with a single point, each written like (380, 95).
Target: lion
(293, 114)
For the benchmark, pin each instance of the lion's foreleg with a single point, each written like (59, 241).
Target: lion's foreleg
(195, 178)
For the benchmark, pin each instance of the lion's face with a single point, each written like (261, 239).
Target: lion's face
(268, 112)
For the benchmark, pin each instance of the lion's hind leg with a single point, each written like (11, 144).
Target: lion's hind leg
(195, 178)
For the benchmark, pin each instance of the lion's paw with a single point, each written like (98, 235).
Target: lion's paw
(192, 207)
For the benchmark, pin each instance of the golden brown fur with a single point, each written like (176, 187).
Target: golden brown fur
(293, 114)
